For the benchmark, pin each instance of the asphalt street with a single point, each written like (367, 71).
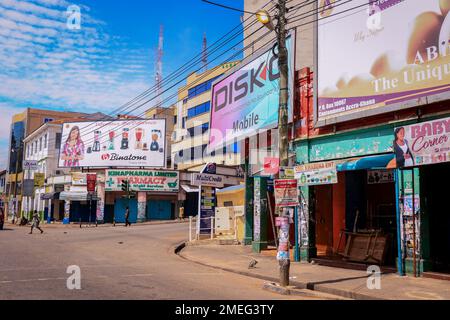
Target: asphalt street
(135, 263)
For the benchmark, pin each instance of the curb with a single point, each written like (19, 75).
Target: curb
(300, 285)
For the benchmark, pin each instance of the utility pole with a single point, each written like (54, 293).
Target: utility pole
(283, 116)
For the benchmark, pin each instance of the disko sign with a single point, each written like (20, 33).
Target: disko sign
(422, 143)
(373, 62)
(316, 174)
(121, 143)
(243, 101)
(207, 180)
(143, 180)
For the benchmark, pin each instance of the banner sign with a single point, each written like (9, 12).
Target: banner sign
(31, 165)
(121, 143)
(371, 62)
(286, 193)
(209, 180)
(287, 173)
(143, 180)
(422, 143)
(316, 173)
(79, 179)
(207, 209)
(247, 99)
(91, 180)
(39, 180)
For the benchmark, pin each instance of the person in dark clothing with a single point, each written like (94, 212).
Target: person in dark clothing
(35, 223)
(127, 217)
(403, 154)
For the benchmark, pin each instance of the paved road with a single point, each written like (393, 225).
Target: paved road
(116, 263)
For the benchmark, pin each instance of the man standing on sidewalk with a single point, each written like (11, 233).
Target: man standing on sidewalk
(127, 217)
(35, 223)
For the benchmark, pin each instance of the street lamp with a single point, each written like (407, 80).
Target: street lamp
(264, 17)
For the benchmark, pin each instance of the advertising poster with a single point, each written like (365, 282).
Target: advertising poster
(422, 143)
(28, 188)
(79, 179)
(371, 61)
(207, 208)
(39, 180)
(286, 193)
(121, 143)
(257, 210)
(316, 174)
(91, 181)
(246, 100)
(143, 180)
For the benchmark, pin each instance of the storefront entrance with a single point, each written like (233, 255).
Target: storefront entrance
(436, 207)
(356, 218)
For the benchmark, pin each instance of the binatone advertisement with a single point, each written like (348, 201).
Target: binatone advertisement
(380, 56)
(121, 143)
(247, 99)
(422, 143)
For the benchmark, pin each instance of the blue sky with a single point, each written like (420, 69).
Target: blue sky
(107, 62)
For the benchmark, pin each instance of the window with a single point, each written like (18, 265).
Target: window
(45, 141)
(198, 110)
(35, 147)
(201, 88)
(58, 140)
(175, 119)
(183, 125)
(40, 144)
(198, 130)
(28, 150)
(46, 120)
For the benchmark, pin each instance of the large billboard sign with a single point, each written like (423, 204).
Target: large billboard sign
(381, 56)
(422, 143)
(247, 99)
(121, 143)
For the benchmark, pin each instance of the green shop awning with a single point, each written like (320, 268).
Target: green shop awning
(372, 162)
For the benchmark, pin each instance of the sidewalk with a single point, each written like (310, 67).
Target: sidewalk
(106, 225)
(342, 282)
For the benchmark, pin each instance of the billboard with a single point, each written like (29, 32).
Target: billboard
(382, 56)
(121, 143)
(422, 143)
(247, 99)
(143, 180)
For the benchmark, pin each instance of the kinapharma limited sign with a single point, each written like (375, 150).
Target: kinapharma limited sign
(387, 55)
(246, 99)
(143, 180)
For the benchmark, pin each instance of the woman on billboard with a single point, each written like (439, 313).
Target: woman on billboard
(403, 154)
(73, 150)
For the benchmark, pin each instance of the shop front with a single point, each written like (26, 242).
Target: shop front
(423, 159)
(153, 195)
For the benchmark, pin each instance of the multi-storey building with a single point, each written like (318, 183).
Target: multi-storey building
(191, 134)
(22, 125)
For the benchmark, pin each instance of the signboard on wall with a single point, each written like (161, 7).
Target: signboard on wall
(312, 174)
(422, 143)
(79, 179)
(39, 180)
(380, 176)
(143, 180)
(28, 187)
(286, 193)
(209, 180)
(121, 143)
(243, 101)
(31, 165)
(371, 62)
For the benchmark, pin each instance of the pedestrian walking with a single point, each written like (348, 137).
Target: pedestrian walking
(127, 217)
(35, 223)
